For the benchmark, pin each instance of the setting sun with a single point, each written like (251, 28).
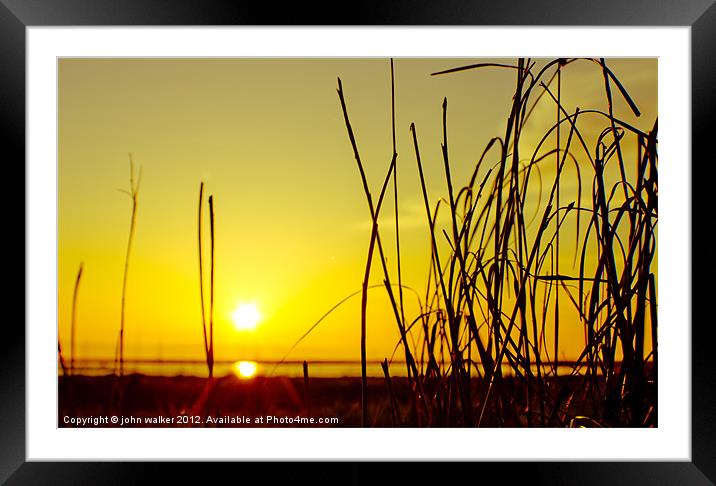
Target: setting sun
(246, 316)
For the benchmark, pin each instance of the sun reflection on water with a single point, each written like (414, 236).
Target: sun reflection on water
(245, 369)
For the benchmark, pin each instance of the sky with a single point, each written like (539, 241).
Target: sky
(267, 138)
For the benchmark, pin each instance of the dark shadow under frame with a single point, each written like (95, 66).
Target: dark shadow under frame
(16, 15)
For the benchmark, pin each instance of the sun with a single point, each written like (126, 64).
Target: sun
(246, 316)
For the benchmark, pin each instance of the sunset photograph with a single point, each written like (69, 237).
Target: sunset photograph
(357, 242)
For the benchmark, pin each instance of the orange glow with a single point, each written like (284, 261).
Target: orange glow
(291, 224)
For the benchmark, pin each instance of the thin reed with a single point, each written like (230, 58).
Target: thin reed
(306, 391)
(73, 324)
(133, 194)
(207, 333)
(63, 365)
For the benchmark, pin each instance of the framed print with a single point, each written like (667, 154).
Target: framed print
(434, 234)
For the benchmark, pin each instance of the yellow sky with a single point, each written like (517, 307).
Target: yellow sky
(268, 139)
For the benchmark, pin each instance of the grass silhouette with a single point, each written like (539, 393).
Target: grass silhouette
(496, 289)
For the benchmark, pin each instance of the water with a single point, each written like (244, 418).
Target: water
(249, 368)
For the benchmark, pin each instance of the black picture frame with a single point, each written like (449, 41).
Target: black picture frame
(700, 15)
